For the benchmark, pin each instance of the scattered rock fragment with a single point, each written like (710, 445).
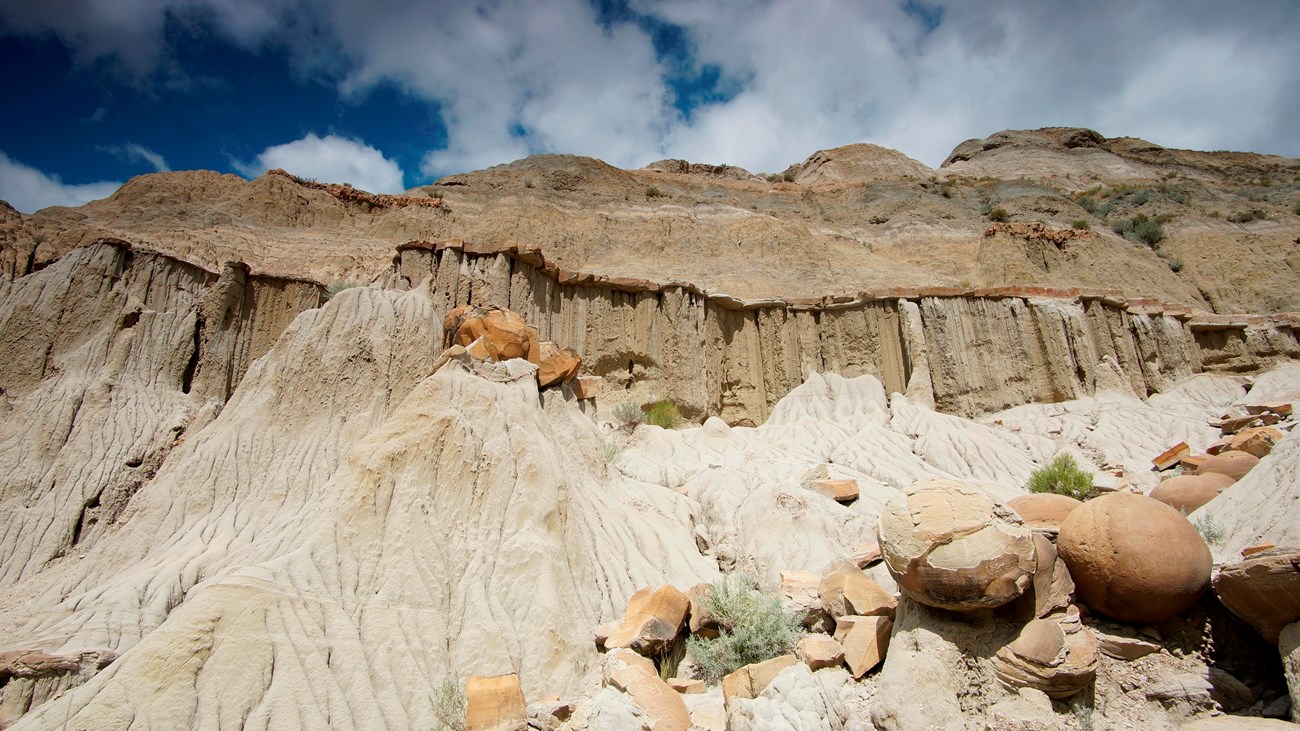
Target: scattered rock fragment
(556, 365)
(587, 387)
(1263, 589)
(636, 676)
(866, 643)
(954, 547)
(750, 680)
(495, 703)
(1171, 456)
(652, 620)
(841, 491)
(819, 651)
(1257, 441)
(1134, 559)
(1211, 685)
(847, 590)
(1125, 648)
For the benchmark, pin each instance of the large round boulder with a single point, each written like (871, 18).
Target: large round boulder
(1133, 558)
(954, 547)
(1186, 493)
(1043, 511)
(1234, 464)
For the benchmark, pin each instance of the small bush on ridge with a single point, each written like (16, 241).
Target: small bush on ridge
(1062, 477)
(663, 414)
(998, 214)
(627, 415)
(754, 627)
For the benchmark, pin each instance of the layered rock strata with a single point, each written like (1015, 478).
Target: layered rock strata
(970, 350)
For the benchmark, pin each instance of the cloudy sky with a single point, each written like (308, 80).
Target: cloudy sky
(390, 94)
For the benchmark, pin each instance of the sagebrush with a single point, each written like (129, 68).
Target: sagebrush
(1211, 530)
(1063, 477)
(449, 706)
(627, 415)
(754, 627)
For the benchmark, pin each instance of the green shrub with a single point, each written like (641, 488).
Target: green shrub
(1296, 210)
(337, 287)
(754, 627)
(663, 414)
(449, 706)
(435, 194)
(1081, 224)
(1175, 264)
(1104, 210)
(627, 415)
(653, 192)
(998, 214)
(1140, 228)
(774, 177)
(1062, 477)
(1088, 203)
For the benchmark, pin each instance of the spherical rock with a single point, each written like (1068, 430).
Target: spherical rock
(1043, 510)
(954, 547)
(1233, 464)
(1133, 558)
(1189, 492)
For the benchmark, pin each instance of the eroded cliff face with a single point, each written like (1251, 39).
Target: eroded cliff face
(112, 355)
(969, 351)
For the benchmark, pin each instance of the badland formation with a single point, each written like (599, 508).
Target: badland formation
(557, 445)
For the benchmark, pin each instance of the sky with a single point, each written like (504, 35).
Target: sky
(391, 94)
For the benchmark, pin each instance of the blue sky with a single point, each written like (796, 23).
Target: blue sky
(389, 94)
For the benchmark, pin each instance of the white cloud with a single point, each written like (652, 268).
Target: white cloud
(133, 152)
(511, 77)
(29, 190)
(331, 159)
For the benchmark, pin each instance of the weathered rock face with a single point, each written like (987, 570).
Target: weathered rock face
(954, 547)
(273, 525)
(1232, 464)
(1263, 589)
(495, 703)
(1186, 493)
(1289, 645)
(1133, 558)
(1057, 656)
(713, 354)
(504, 334)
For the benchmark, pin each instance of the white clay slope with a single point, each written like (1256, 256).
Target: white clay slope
(351, 529)
(348, 533)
